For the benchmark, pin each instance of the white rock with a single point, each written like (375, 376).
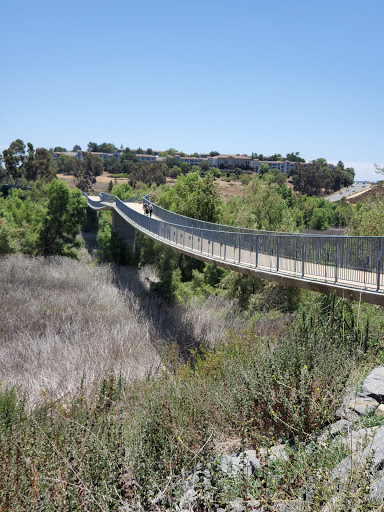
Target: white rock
(374, 384)
(375, 449)
(363, 404)
(377, 489)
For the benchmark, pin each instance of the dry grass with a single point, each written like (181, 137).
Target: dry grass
(63, 323)
(101, 184)
(226, 189)
(200, 322)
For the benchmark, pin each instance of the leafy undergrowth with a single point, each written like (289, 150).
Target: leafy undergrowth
(136, 444)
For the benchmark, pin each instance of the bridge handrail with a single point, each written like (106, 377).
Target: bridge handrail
(92, 202)
(357, 260)
(182, 220)
(213, 227)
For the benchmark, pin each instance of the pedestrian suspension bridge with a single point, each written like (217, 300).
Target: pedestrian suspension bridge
(351, 266)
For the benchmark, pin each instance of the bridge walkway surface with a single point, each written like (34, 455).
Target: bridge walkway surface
(350, 266)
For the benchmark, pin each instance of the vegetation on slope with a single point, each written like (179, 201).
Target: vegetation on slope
(112, 398)
(110, 424)
(43, 221)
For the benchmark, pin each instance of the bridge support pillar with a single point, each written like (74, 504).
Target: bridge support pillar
(124, 230)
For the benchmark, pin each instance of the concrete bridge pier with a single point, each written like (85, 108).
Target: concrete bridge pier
(124, 230)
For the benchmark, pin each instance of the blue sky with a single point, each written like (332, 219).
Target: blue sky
(232, 76)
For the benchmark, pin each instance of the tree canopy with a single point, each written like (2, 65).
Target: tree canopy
(194, 197)
(317, 177)
(105, 147)
(85, 172)
(62, 221)
(36, 164)
(42, 221)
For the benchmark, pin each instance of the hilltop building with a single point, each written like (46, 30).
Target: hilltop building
(224, 161)
(230, 161)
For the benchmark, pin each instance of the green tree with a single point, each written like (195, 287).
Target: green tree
(274, 176)
(348, 176)
(174, 171)
(123, 191)
(320, 219)
(295, 157)
(44, 165)
(171, 161)
(13, 158)
(275, 156)
(113, 247)
(205, 166)
(147, 173)
(368, 218)
(30, 164)
(86, 172)
(93, 147)
(8, 243)
(59, 149)
(62, 222)
(76, 148)
(113, 165)
(194, 197)
(66, 164)
(307, 179)
(263, 168)
(107, 147)
(128, 157)
(261, 207)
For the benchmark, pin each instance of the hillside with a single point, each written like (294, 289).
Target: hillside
(112, 399)
(65, 323)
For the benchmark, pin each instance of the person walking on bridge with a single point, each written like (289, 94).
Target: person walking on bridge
(150, 209)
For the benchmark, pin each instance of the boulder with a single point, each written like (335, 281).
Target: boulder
(352, 463)
(247, 462)
(380, 411)
(236, 506)
(359, 440)
(374, 384)
(276, 452)
(375, 450)
(376, 489)
(188, 501)
(363, 404)
(333, 504)
(345, 413)
(292, 506)
(353, 441)
(341, 426)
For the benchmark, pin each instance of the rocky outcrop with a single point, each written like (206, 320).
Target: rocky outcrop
(365, 463)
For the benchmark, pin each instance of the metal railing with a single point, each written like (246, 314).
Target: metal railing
(92, 202)
(176, 218)
(350, 261)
